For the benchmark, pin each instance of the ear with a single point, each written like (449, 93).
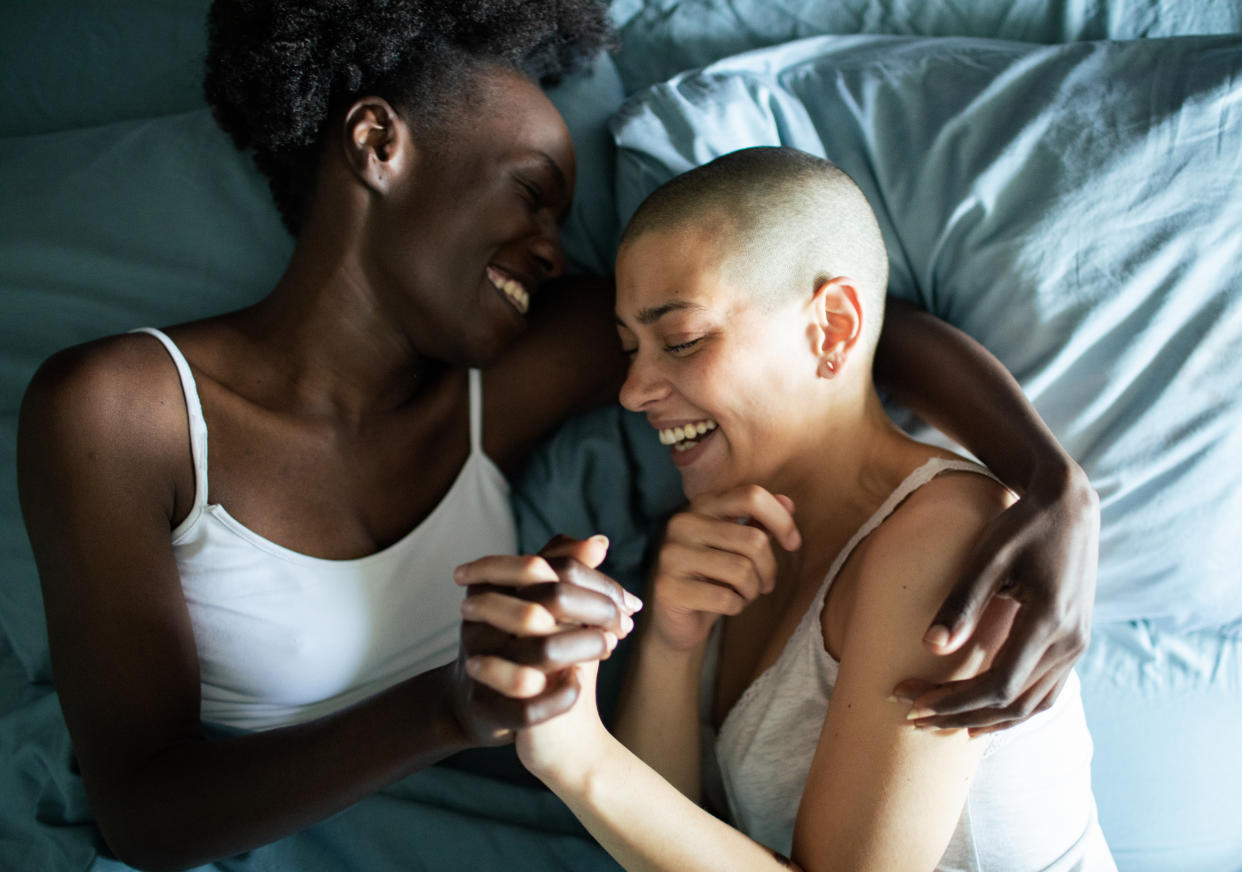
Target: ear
(377, 142)
(838, 320)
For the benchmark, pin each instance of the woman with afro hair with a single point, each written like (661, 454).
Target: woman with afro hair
(362, 419)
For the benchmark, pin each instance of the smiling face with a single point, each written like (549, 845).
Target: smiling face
(722, 376)
(471, 230)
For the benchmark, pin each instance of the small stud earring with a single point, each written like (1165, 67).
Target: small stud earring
(829, 367)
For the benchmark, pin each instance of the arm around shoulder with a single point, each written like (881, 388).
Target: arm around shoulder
(882, 794)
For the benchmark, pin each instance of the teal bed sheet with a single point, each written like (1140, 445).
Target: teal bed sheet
(123, 205)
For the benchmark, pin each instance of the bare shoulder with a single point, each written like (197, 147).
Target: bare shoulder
(99, 380)
(953, 507)
(909, 565)
(108, 409)
(929, 535)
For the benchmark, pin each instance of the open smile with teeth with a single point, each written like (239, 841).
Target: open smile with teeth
(686, 436)
(513, 290)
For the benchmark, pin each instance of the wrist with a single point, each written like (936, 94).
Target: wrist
(672, 654)
(449, 713)
(576, 768)
(1058, 478)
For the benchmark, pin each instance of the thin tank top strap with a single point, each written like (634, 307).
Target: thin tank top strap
(915, 480)
(194, 416)
(476, 411)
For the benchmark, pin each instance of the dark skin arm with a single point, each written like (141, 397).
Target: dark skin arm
(100, 462)
(1042, 551)
(568, 361)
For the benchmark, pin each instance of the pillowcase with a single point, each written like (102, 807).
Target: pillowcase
(77, 63)
(101, 230)
(1076, 209)
(586, 101)
(663, 37)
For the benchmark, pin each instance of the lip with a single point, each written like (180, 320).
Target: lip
(513, 288)
(690, 455)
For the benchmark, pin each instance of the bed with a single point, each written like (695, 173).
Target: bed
(1061, 180)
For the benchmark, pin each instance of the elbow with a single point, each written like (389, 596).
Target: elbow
(150, 843)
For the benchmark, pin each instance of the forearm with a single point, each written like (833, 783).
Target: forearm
(658, 713)
(956, 385)
(204, 799)
(646, 824)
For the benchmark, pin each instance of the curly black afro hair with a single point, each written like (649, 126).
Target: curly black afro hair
(277, 69)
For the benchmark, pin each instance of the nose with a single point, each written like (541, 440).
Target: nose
(643, 385)
(548, 253)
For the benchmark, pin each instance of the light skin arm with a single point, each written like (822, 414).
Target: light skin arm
(881, 794)
(708, 566)
(1043, 551)
(99, 461)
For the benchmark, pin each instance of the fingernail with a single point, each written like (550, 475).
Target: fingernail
(919, 712)
(472, 667)
(627, 624)
(469, 607)
(610, 639)
(600, 539)
(901, 696)
(938, 636)
(459, 573)
(632, 602)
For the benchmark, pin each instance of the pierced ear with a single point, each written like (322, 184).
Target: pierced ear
(377, 142)
(838, 321)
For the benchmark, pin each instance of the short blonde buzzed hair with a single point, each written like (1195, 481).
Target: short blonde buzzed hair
(787, 221)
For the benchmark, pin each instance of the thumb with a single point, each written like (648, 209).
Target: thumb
(589, 552)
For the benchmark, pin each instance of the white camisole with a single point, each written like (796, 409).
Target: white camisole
(283, 637)
(1029, 806)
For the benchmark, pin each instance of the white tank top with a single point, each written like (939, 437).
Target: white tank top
(283, 637)
(1029, 806)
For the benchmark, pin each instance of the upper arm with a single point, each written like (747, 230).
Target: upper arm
(99, 446)
(568, 361)
(880, 794)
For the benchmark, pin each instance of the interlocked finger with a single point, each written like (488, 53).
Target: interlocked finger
(507, 713)
(520, 666)
(508, 613)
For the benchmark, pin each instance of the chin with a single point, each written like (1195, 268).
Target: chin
(484, 351)
(695, 483)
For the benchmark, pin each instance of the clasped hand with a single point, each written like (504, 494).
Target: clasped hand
(527, 619)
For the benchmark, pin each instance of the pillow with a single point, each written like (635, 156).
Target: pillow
(586, 101)
(79, 63)
(1075, 208)
(101, 230)
(662, 37)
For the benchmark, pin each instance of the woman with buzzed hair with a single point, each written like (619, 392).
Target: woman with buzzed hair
(251, 522)
(788, 599)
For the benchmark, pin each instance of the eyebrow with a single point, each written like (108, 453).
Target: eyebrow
(654, 313)
(554, 168)
(546, 161)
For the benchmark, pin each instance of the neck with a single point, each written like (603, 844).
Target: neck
(851, 462)
(330, 344)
